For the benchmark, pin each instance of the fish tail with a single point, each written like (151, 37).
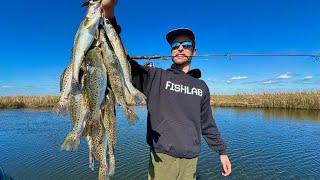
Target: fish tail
(131, 115)
(112, 165)
(91, 157)
(111, 138)
(129, 99)
(103, 172)
(134, 99)
(139, 98)
(71, 143)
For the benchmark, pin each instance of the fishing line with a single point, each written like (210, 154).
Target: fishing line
(229, 56)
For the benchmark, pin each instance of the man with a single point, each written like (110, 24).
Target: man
(179, 110)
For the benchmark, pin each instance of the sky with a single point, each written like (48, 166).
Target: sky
(37, 36)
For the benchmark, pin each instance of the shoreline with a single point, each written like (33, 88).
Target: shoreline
(297, 100)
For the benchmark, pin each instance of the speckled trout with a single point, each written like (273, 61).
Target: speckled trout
(95, 83)
(116, 81)
(78, 113)
(121, 55)
(105, 139)
(85, 36)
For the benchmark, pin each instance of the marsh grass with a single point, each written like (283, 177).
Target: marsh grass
(15, 102)
(299, 100)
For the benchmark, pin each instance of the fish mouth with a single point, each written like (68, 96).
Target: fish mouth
(90, 2)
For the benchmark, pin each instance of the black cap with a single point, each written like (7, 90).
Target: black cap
(180, 31)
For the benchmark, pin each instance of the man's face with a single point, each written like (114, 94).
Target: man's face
(181, 52)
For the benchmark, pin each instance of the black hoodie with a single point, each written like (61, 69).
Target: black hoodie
(179, 111)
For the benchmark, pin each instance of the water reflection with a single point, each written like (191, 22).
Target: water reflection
(258, 147)
(282, 114)
(4, 176)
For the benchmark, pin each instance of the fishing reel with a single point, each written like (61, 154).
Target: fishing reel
(149, 63)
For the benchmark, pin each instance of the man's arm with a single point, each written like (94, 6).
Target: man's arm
(211, 134)
(139, 75)
(209, 128)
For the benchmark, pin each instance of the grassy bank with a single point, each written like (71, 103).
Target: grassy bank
(14, 102)
(303, 100)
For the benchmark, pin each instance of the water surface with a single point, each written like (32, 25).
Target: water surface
(262, 144)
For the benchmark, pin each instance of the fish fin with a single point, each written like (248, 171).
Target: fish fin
(62, 107)
(129, 99)
(135, 99)
(91, 163)
(71, 143)
(93, 127)
(140, 98)
(86, 130)
(131, 115)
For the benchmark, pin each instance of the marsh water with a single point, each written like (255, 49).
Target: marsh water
(262, 144)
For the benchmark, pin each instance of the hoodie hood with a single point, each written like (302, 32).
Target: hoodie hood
(196, 73)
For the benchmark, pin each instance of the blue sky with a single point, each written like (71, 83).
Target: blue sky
(36, 38)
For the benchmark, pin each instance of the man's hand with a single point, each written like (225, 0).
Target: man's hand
(226, 165)
(108, 7)
(108, 3)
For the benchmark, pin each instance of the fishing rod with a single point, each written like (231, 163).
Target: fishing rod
(229, 55)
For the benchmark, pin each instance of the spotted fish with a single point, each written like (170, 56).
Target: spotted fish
(78, 113)
(85, 36)
(95, 83)
(116, 81)
(121, 55)
(105, 139)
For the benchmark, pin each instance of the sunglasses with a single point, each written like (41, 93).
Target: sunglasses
(185, 45)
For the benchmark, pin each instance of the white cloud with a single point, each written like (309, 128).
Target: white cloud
(268, 82)
(211, 80)
(229, 81)
(286, 75)
(239, 78)
(5, 86)
(307, 78)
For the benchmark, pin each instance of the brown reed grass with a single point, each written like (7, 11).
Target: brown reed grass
(13, 102)
(299, 100)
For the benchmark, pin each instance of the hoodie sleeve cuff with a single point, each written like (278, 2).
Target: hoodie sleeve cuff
(222, 152)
